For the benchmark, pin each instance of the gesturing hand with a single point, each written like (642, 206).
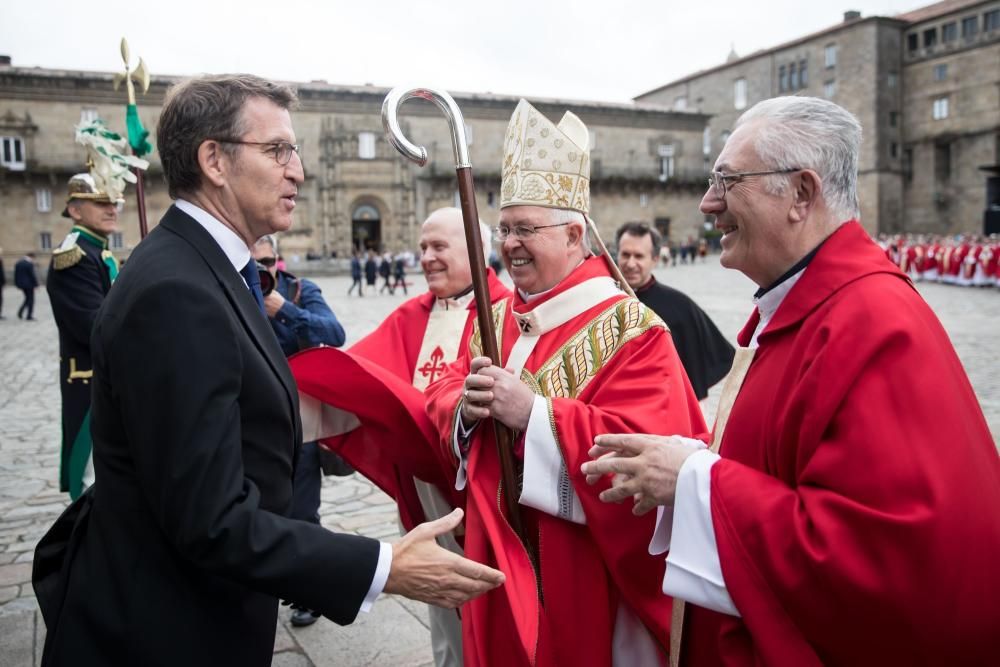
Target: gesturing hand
(422, 570)
(645, 467)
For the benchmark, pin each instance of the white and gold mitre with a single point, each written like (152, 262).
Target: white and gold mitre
(545, 164)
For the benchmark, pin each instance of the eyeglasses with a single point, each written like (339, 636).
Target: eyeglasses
(267, 261)
(717, 179)
(281, 150)
(522, 232)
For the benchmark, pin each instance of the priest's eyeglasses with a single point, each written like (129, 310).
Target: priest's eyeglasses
(521, 232)
(280, 150)
(717, 180)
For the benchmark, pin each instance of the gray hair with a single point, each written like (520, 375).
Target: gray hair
(810, 133)
(204, 108)
(269, 239)
(559, 216)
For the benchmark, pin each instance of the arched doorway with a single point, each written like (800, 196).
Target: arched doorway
(366, 228)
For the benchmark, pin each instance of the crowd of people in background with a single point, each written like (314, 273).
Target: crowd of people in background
(969, 261)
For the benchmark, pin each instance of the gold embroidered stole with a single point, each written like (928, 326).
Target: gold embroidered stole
(568, 371)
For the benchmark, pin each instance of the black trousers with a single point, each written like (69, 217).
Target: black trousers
(29, 303)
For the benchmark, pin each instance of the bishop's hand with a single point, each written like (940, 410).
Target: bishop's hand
(491, 391)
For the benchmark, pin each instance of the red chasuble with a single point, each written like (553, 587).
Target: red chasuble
(856, 503)
(373, 381)
(610, 369)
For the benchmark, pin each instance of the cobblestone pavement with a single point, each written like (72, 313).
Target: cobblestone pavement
(395, 632)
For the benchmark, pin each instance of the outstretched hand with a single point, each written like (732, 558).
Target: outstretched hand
(644, 467)
(422, 570)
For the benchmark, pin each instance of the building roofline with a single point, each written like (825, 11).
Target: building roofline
(939, 9)
(768, 51)
(320, 88)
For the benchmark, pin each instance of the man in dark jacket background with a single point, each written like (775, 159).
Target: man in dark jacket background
(26, 280)
(704, 351)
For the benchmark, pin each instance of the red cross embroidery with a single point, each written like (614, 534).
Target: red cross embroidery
(435, 367)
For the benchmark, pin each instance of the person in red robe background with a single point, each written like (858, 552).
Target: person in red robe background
(414, 344)
(579, 357)
(849, 516)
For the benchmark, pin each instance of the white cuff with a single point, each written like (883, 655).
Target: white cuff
(380, 577)
(694, 572)
(665, 514)
(547, 486)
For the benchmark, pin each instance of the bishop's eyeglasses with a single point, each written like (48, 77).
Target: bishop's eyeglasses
(717, 180)
(522, 232)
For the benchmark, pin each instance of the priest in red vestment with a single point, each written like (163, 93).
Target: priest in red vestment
(579, 358)
(849, 515)
(392, 366)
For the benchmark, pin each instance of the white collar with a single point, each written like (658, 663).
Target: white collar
(232, 245)
(565, 306)
(455, 301)
(769, 302)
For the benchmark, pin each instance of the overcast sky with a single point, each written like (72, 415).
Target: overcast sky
(608, 51)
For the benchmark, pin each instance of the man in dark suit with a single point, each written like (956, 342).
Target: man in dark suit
(704, 351)
(79, 277)
(26, 280)
(179, 554)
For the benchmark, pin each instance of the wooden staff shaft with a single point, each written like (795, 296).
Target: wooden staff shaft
(140, 198)
(480, 287)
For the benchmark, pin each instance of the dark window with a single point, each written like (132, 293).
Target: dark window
(804, 73)
(940, 72)
(930, 38)
(893, 118)
(942, 162)
(991, 20)
(894, 150)
(970, 26)
(663, 226)
(793, 77)
(45, 241)
(949, 32)
(117, 240)
(782, 79)
(912, 41)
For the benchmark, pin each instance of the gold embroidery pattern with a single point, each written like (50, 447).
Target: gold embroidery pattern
(476, 340)
(568, 372)
(540, 166)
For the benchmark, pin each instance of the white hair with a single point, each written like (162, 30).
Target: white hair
(810, 133)
(485, 233)
(559, 216)
(269, 239)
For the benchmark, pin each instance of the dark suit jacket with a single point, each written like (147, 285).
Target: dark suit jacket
(195, 422)
(24, 274)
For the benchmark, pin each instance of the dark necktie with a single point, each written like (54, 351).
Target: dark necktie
(249, 274)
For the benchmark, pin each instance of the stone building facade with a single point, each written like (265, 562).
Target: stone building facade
(922, 158)
(647, 162)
